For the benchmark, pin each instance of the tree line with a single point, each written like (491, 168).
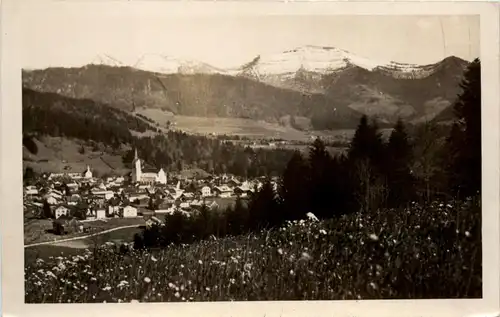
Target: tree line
(55, 115)
(374, 175)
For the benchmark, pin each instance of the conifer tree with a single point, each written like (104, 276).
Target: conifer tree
(366, 161)
(264, 210)
(398, 158)
(321, 175)
(293, 185)
(464, 142)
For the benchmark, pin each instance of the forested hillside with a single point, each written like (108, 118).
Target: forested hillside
(54, 115)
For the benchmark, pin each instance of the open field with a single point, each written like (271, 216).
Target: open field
(58, 154)
(37, 230)
(76, 246)
(233, 126)
(416, 253)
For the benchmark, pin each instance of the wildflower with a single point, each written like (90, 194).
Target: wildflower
(311, 216)
(247, 266)
(322, 231)
(305, 256)
(373, 237)
(292, 272)
(171, 285)
(200, 262)
(467, 234)
(153, 259)
(147, 279)
(107, 288)
(182, 266)
(280, 251)
(123, 284)
(177, 294)
(232, 281)
(50, 274)
(207, 289)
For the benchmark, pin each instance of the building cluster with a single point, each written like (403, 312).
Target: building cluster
(67, 196)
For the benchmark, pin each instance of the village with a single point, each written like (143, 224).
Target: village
(74, 201)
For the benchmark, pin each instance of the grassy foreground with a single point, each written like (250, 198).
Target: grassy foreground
(432, 252)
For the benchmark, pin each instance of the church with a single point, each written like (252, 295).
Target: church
(146, 175)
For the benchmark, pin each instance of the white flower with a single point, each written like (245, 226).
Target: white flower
(311, 216)
(292, 272)
(207, 289)
(322, 231)
(107, 288)
(305, 256)
(280, 251)
(49, 273)
(200, 262)
(153, 259)
(147, 279)
(373, 236)
(467, 234)
(177, 294)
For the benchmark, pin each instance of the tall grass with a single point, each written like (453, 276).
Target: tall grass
(432, 252)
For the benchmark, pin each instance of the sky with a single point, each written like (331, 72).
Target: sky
(71, 36)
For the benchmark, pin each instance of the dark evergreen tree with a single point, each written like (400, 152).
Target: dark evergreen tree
(397, 167)
(29, 175)
(293, 188)
(47, 211)
(264, 210)
(321, 187)
(366, 165)
(464, 142)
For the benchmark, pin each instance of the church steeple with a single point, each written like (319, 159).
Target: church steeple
(136, 156)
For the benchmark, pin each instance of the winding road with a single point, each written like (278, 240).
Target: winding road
(80, 237)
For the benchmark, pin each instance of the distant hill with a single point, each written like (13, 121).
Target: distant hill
(326, 85)
(62, 133)
(208, 95)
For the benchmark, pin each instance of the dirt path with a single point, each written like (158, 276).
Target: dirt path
(63, 241)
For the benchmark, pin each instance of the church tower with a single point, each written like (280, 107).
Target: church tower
(136, 168)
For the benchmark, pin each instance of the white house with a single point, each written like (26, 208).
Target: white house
(113, 210)
(31, 190)
(129, 212)
(100, 213)
(61, 210)
(51, 200)
(223, 191)
(106, 194)
(206, 191)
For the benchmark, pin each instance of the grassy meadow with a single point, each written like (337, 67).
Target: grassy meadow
(418, 252)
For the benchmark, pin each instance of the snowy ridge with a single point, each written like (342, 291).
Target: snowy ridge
(311, 59)
(107, 60)
(171, 65)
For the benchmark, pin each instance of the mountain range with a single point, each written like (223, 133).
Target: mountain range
(330, 87)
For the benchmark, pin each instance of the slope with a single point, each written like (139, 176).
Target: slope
(195, 95)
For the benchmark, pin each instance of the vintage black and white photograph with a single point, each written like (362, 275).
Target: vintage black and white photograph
(250, 158)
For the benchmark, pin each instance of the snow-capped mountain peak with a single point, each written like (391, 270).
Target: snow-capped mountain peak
(170, 65)
(108, 60)
(311, 58)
